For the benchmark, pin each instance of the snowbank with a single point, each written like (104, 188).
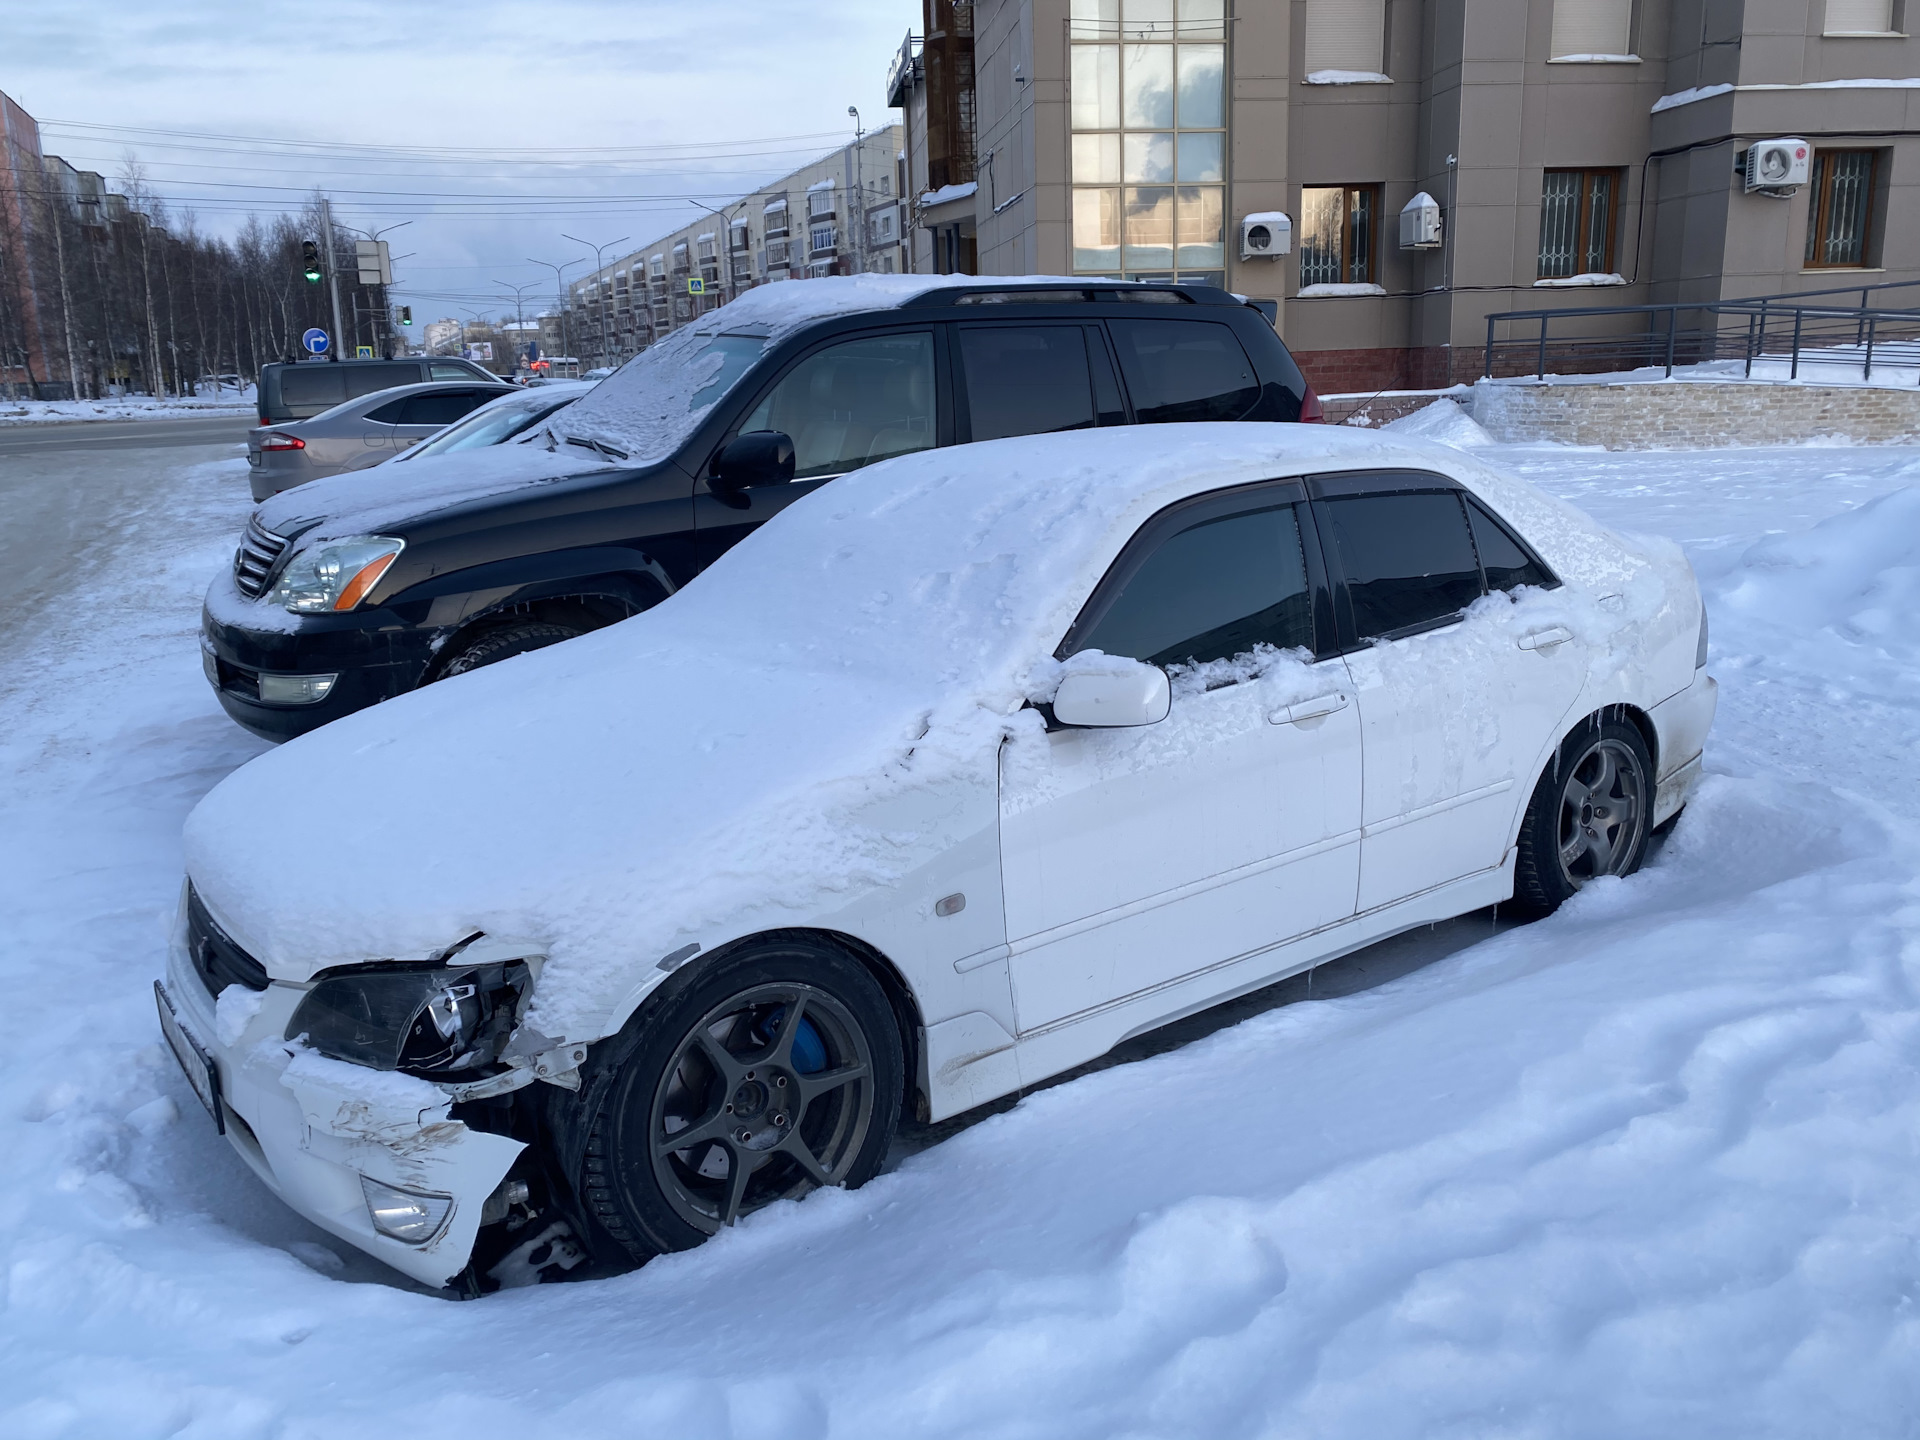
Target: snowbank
(1857, 574)
(133, 407)
(1444, 421)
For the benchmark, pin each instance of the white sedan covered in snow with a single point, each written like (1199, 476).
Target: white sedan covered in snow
(964, 769)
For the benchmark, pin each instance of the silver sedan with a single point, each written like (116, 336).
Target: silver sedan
(360, 432)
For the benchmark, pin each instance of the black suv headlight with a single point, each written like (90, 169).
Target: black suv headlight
(430, 1020)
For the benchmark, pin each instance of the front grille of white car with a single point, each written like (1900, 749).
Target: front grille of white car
(260, 550)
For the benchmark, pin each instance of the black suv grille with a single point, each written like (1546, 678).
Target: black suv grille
(216, 959)
(260, 550)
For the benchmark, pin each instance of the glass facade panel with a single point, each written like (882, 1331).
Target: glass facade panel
(1147, 71)
(1149, 222)
(1200, 227)
(1201, 157)
(1148, 110)
(1096, 229)
(1096, 87)
(1202, 69)
(1096, 159)
(1203, 19)
(1149, 158)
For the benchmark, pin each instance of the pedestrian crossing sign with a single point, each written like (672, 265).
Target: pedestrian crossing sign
(363, 352)
(696, 286)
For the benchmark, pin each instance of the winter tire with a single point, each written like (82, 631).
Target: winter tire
(506, 642)
(1589, 816)
(763, 1075)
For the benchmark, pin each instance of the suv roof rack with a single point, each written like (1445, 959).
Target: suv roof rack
(1066, 293)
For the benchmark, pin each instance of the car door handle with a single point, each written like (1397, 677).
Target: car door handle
(1308, 709)
(1545, 639)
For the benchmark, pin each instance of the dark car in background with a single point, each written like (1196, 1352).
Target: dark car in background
(361, 433)
(343, 594)
(300, 390)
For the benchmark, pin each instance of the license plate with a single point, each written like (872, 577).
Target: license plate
(197, 1064)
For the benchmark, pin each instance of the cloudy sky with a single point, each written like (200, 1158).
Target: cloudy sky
(492, 127)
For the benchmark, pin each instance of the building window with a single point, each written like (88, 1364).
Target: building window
(1592, 29)
(1346, 36)
(1148, 117)
(774, 219)
(821, 239)
(1841, 209)
(1337, 234)
(1859, 17)
(1576, 223)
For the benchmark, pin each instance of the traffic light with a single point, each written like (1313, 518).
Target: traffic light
(310, 260)
(406, 314)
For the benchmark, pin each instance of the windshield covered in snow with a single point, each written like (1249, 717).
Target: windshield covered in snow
(646, 409)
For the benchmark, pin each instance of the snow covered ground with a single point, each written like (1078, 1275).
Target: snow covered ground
(1647, 1168)
(221, 400)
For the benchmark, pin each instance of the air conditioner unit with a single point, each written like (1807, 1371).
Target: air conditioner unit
(1267, 233)
(1420, 223)
(1778, 167)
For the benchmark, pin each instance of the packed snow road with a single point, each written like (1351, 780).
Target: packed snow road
(1646, 1168)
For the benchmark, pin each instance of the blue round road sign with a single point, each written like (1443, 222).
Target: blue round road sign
(315, 341)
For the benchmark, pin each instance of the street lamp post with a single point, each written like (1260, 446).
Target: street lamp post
(859, 216)
(373, 235)
(598, 265)
(519, 317)
(560, 293)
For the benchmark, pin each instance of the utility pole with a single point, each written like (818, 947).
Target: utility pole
(333, 279)
(519, 319)
(726, 226)
(600, 307)
(859, 216)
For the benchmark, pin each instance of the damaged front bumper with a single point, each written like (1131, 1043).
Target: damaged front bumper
(314, 1128)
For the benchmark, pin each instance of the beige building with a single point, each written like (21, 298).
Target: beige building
(839, 215)
(1574, 153)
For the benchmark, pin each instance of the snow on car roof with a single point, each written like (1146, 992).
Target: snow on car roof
(710, 754)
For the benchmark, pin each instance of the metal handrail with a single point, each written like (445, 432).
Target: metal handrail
(1891, 335)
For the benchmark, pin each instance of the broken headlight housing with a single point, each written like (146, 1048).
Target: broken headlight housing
(428, 1020)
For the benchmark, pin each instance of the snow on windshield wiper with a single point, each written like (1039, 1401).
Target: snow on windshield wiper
(612, 452)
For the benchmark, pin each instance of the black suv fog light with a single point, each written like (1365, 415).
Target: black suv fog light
(422, 1019)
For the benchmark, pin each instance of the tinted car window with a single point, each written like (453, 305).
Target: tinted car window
(1408, 559)
(1184, 370)
(854, 403)
(365, 379)
(1026, 380)
(1506, 562)
(443, 408)
(449, 372)
(389, 413)
(319, 386)
(1213, 590)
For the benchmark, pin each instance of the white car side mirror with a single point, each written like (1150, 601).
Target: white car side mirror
(1131, 693)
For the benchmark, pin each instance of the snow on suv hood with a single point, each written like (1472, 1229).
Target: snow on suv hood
(658, 778)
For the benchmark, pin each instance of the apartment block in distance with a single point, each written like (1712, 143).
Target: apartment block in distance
(1580, 153)
(838, 215)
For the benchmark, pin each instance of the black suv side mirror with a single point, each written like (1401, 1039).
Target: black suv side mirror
(758, 457)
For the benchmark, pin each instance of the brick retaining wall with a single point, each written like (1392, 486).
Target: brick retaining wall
(1681, 414)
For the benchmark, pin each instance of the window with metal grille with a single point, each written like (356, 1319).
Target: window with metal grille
(1337, 234)
(1576, 223)
(1841, 209)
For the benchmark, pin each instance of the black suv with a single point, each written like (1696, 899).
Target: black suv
(330, 607)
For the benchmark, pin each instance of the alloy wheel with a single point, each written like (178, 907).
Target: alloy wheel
(770, 1094)
(1603, 810)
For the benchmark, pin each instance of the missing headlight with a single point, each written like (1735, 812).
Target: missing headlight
(431, 1020)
